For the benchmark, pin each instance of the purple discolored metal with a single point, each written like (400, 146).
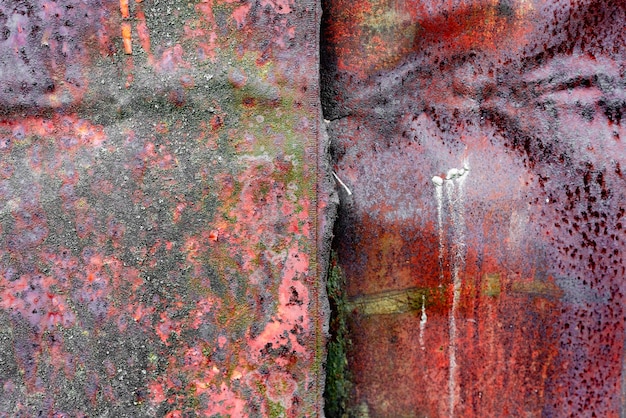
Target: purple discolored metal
(483, 241)
(158, 208)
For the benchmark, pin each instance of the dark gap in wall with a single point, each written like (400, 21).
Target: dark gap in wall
(337, 385)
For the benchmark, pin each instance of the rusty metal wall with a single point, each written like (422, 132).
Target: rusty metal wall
(482, 228)
(158, 222)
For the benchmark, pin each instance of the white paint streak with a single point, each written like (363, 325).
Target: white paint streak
(452, 373)
(455, 204)
(423, 320)
(439, 198)
(342, 184)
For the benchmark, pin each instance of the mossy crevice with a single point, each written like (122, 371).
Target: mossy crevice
(338, 385)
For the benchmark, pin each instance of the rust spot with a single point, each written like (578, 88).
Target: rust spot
(124, 9)
(248, 102)
(126, 38)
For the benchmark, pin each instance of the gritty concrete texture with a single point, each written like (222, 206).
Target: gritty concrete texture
(161, 169)
(483, 242)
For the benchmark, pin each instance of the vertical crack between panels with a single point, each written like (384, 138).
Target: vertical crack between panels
(337, 385)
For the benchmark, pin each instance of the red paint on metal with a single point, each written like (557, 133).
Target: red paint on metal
(523, 243)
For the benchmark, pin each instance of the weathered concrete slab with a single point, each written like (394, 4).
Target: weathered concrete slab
(158, 230)
(483, 243)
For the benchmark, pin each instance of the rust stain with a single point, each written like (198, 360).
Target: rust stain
(124, 9)
(126, 38)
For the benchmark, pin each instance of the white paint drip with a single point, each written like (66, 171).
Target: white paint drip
(423, 320)
(438, 181)
(450, 197)
(454, 200)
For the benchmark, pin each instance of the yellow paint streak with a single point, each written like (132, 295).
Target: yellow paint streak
(537, 288)
(391, 302)
(492, 285)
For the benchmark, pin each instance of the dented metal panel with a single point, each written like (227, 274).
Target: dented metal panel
(483, 239)
(158, 223)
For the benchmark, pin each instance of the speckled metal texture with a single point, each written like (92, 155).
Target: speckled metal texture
(483, 242)
(158, 222)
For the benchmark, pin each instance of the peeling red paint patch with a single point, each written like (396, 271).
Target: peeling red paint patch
(281, 388)
(291, 319)
(240, 13)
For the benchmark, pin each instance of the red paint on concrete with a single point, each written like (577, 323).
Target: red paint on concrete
(158, 232)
